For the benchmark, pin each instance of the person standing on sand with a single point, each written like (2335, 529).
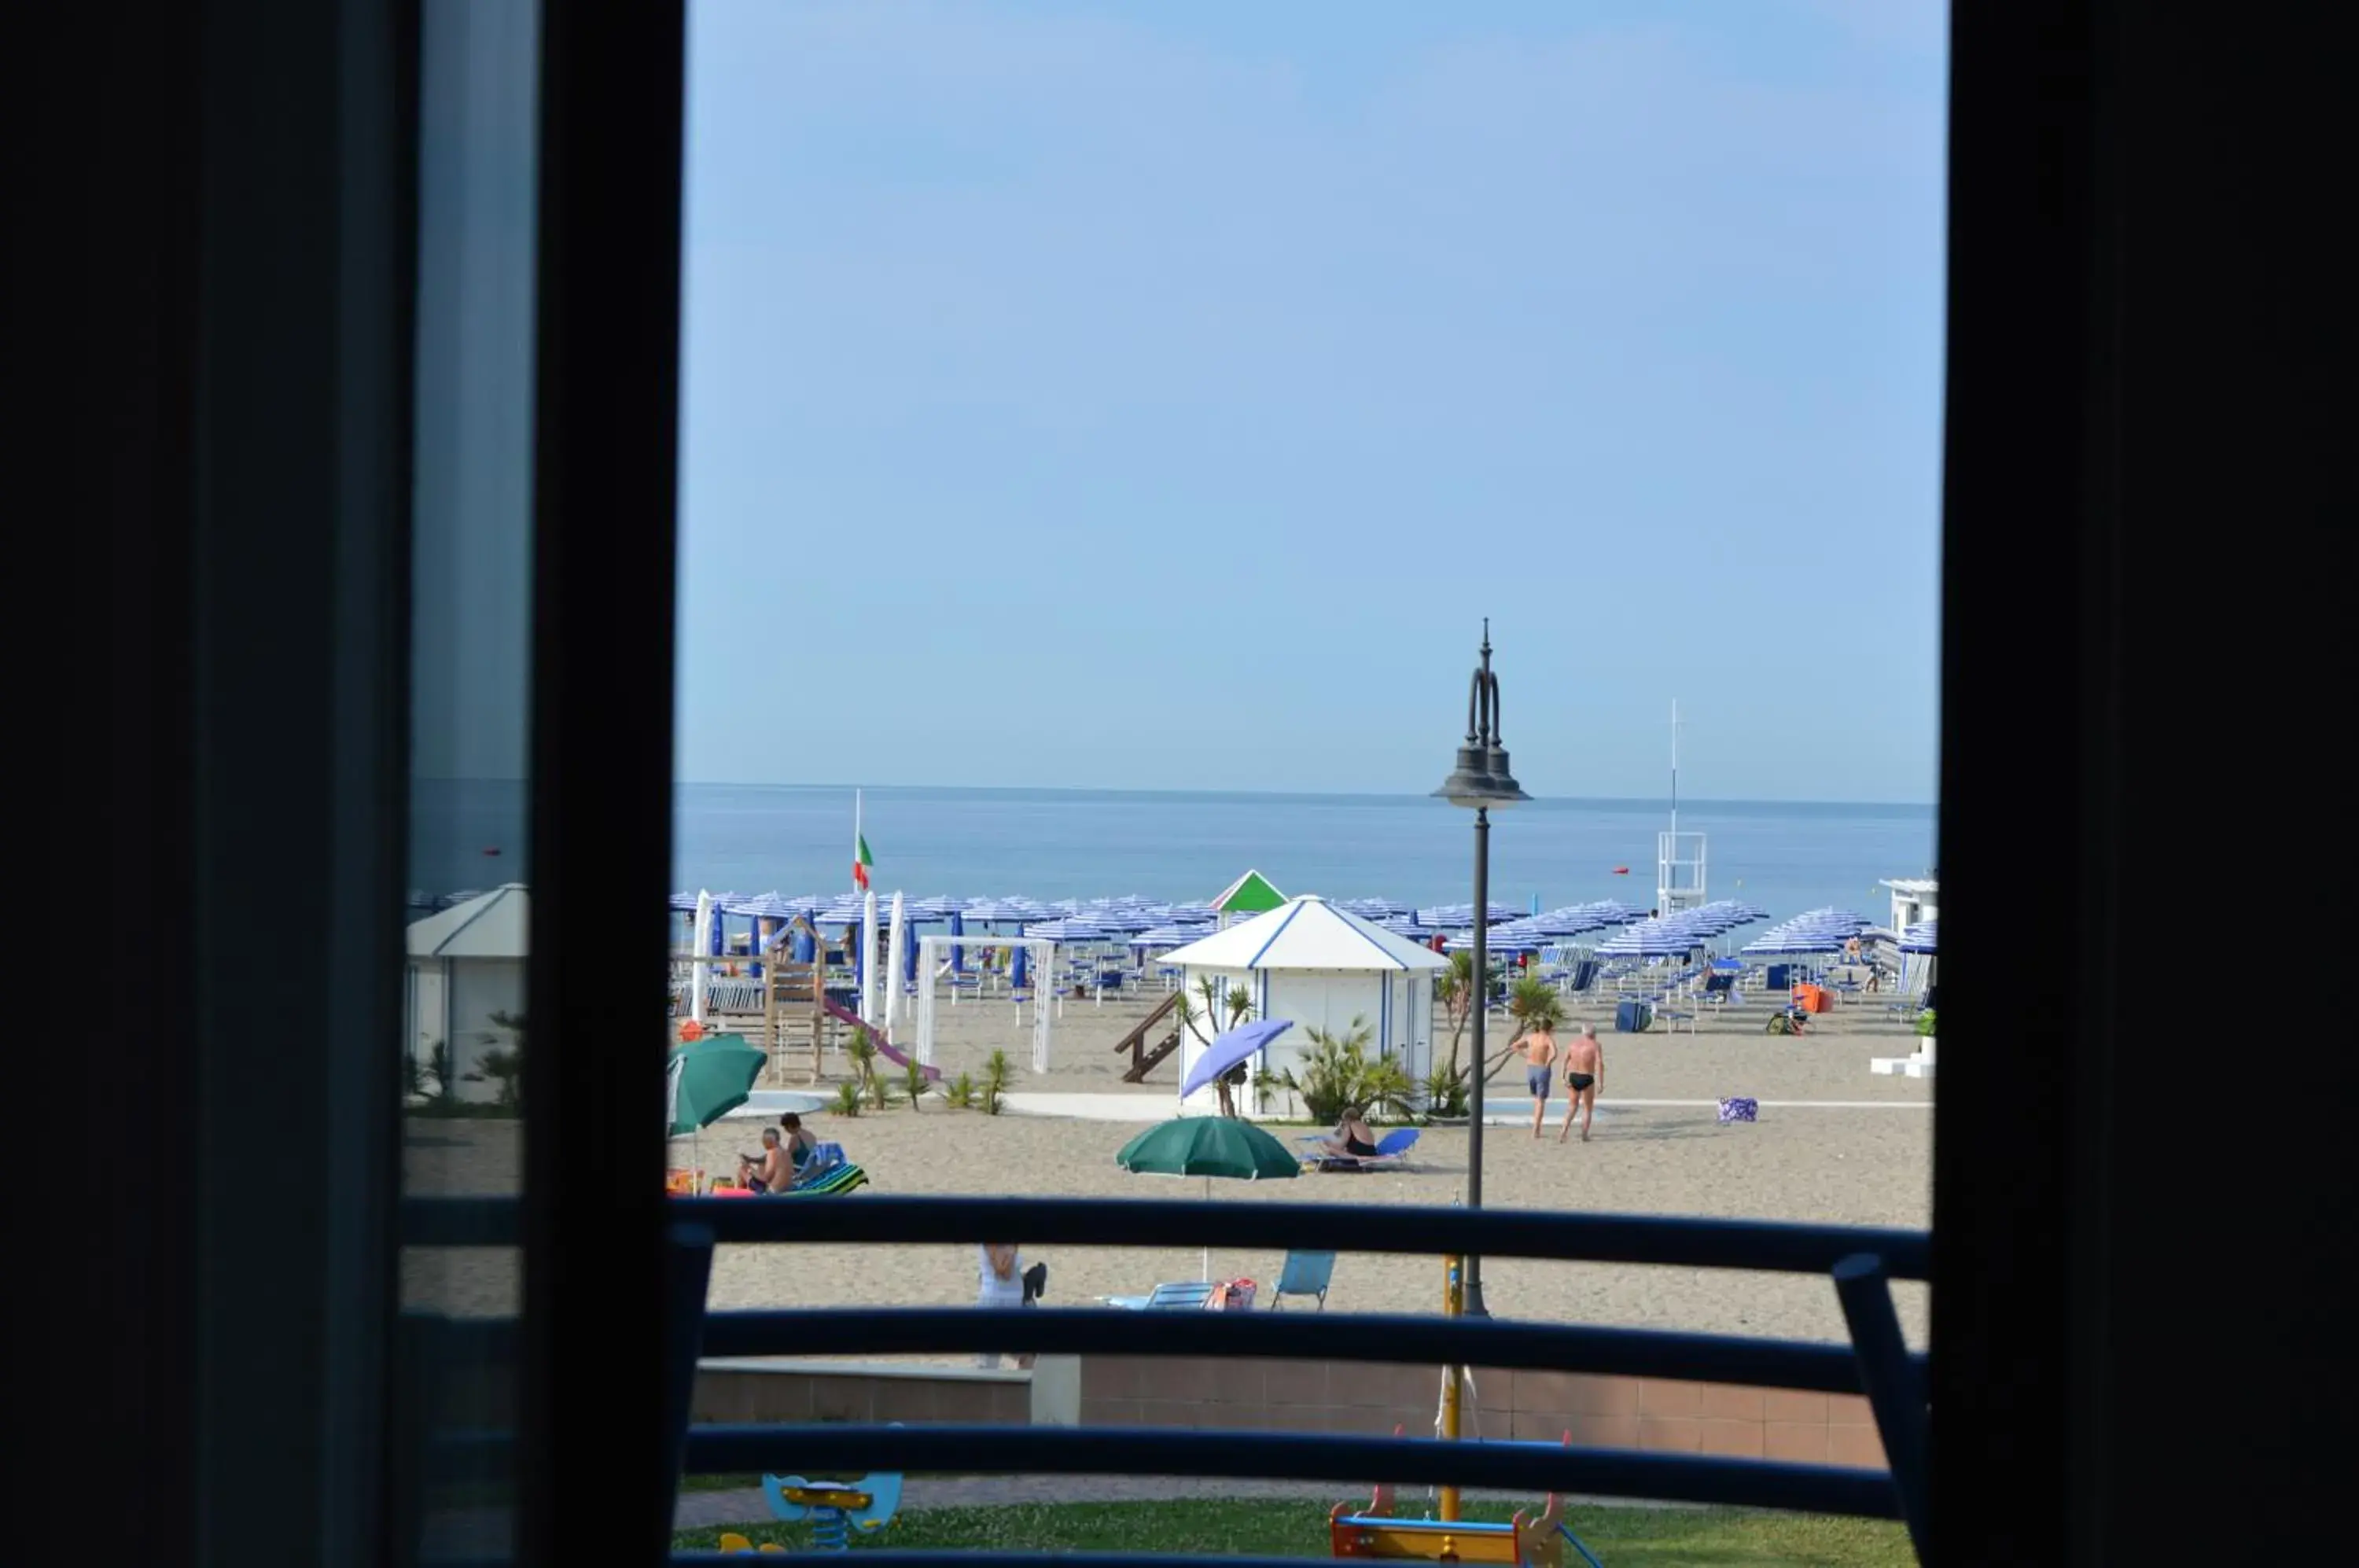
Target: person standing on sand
(1540, 1060)
(1001, 1287)
(1585, 1076)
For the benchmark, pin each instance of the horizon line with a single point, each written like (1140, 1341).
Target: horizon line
(1265, 793)
(1300, 794)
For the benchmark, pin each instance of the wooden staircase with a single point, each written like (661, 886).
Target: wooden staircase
(1143, 1057)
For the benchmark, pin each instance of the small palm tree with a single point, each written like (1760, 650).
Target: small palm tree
(996, 1073)
(1453, 988)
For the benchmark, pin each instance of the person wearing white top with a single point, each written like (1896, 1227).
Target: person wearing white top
(1002, 1285)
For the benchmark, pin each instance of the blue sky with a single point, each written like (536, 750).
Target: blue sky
(1158, 395)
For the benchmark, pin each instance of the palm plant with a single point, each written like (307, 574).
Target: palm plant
(1453, 988)
(1267, 1086)
(913, 1081)
(863, 1052)
(1338, 1075)
(1535, 1005)
(960, 1093)
(1445, 1094)
(847, 1099)
(996, 1073)
(503, 1065)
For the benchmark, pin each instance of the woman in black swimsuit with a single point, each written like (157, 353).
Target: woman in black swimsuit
(1351, 1136)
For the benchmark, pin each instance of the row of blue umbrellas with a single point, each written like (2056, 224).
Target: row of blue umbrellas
(1812, 933)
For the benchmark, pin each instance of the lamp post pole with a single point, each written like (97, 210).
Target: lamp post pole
(1473, 1307)
(1481, 780)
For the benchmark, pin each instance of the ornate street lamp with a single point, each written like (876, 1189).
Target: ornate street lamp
(1480, 781)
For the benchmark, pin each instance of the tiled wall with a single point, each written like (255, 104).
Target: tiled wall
(1598, 1411)
(1321, 1396)
(734, 1395)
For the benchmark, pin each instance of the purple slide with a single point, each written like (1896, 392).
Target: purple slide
(884, 1047)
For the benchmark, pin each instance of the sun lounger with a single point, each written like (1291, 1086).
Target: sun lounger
(1183, 1295)
(826, 1171)
(1392, 1153)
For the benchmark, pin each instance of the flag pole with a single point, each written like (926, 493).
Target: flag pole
(855, 835)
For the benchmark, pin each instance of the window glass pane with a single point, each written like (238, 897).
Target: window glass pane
(464, 1023)
(1104, 430)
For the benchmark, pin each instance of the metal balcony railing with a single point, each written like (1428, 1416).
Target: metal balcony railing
(1860, 1263)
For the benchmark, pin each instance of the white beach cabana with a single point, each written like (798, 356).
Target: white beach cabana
(1319, 967)
(466, 964)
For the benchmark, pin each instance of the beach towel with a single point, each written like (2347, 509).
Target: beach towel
(1740, 1110)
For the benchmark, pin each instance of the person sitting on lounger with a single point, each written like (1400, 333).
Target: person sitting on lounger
(770, 1173)
(1351, 1138)
(801, 1141)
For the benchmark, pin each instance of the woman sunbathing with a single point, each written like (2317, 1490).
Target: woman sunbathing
(1351, 1136)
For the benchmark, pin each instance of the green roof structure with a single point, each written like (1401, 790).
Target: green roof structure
(1250, 894)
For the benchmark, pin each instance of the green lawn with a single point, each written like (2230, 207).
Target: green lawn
(1720, 1538)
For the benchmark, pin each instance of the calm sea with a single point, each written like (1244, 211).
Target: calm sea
(1055, 843)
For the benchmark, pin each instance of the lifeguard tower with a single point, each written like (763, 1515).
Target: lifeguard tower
(1679, 870)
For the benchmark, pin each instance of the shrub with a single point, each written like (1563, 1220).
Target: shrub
(997, 1074)
(1445, 1094)
(1925, 1023)
(913, 1083)
(960, 1093)
(847, 1099)
(1337, 1076)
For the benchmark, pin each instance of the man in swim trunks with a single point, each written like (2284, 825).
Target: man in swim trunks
(1585, 1076)
(1540, 1060)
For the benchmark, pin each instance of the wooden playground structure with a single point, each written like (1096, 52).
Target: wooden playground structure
(800, 1023)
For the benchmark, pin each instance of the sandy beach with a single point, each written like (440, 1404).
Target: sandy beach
(1866, 1163)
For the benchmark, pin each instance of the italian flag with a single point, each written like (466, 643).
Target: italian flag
(860, 860)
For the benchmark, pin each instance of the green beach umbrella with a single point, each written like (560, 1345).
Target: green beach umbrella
(709, 1078)
(1209, 1147)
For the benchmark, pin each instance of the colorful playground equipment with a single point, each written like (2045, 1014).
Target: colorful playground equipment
(836, 1509)
(1531, 1539)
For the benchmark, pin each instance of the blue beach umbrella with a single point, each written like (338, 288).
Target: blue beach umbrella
(1238, 1044)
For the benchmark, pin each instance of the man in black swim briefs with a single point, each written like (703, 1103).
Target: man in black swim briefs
(1584, 1076)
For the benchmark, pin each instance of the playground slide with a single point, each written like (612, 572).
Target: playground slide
(884, 1048)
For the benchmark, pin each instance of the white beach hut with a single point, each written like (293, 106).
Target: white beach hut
(467, 964)
(1319, 967)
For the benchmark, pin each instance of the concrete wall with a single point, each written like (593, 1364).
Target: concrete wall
(1643, 1413)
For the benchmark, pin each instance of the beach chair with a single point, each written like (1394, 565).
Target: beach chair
(1175, 1296)
(1305, 1274)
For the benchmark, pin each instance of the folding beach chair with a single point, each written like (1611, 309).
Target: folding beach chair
(1182, 1295)
(1305, 1274)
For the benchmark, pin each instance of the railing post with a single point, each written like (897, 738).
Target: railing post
(1894, 1389)
(688, 1269)
(1453, 1300)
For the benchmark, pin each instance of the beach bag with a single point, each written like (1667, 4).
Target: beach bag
(1740, 1110)
(1231, 1296)
(1036, 1283)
